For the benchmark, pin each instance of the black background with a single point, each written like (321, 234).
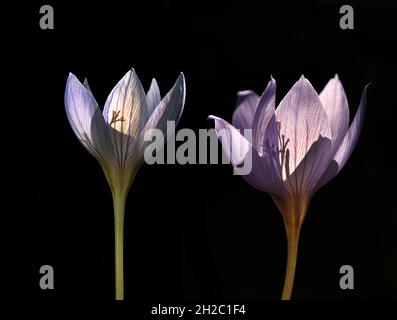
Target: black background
(193, 232)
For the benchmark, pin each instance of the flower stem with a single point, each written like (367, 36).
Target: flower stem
(293, 241)
(119, 207)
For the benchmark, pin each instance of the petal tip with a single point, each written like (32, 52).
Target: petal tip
(181, 80)
(364, 94)
(303, 81)
(181, 76)
(130, 74)
(243, 93)
(272, 81)
(72, 80)
(71, 76)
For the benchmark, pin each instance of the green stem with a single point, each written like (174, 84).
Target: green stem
(293, 241)
(119, 207)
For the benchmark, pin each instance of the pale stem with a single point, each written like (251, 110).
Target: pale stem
(119, 207)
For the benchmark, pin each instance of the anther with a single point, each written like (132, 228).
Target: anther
(115, 115)
(278, 125)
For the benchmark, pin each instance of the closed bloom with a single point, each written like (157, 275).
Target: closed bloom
(115, 136)
(296, 148)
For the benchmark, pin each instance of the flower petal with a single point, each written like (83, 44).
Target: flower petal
(246, 104)
(351, 138)
(348, 143)
(234, 144)
(170, 108)
(305, 177)
(102, 134)
(126, 112)
(125, 108)
(302, 121)
(334, 101)
(119, 168)
(263, 115)
(80, 107)
(153, 96)
(87, 86)
(264, 175)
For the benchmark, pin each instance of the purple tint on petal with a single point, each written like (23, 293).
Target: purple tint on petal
(302, 120)
(170, 108)
(80, 107)
(87, 86)
(334, 101)
(234, 144)
(309, 171)
(348, 143)
(263, 115)
(102, 134)
(351, 138)
(246, 105)
(129, 99)
(126, 111)
(265, 176)
(153, 96)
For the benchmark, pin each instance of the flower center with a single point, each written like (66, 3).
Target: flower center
(278, 152)
(282, 143)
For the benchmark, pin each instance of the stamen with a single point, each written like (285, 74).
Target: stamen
(283, 151)
(115, 115)
(278, 124)
(280, 151)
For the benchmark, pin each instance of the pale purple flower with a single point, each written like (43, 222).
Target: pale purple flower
(297, 147)
(115, 137)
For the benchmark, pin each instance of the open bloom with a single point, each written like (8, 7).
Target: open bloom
(296, 148)
(115, 137)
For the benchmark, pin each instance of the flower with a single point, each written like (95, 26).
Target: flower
(296, 148)
(115, 137)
